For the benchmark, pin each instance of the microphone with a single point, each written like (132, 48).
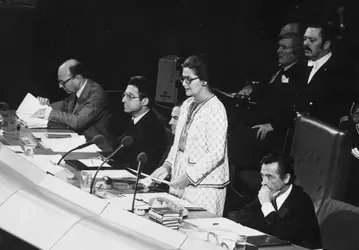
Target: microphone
(98, 139)
(141, 158)
(340, 12)
(125, 142)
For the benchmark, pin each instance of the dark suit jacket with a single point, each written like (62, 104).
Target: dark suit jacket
(330, 92)
(88, 116)
(149, 137)
(295, 221)
(276, 99)
(275, 105)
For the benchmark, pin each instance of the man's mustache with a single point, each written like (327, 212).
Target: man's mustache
(307, 48)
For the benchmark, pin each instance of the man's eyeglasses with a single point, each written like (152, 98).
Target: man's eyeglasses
(63, 83)
(187, 79)
(129, 96)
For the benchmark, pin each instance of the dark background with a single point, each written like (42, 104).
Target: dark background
(118, 39)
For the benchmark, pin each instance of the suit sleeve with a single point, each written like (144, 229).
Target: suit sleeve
(216, 136)
(60, 105)
(91, 109)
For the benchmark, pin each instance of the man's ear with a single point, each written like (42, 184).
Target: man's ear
(327, 45)
(286, 178)
(145, 101)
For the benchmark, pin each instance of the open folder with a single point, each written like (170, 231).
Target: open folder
(27, 108)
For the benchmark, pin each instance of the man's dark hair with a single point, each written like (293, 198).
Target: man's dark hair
(145, 88)
(198, 64)
(285, 164)
(326, 31)
(77, 69)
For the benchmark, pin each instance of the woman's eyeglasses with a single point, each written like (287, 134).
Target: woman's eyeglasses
(187, 79)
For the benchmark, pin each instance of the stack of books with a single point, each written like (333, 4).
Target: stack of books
(165, 216)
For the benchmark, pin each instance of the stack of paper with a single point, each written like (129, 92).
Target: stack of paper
(27, 108)
(65, 144)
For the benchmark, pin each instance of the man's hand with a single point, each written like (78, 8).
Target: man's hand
(247, 90)
(182, 182)
(263, 129)
(43, 100)
(39, 114)
(264, 195)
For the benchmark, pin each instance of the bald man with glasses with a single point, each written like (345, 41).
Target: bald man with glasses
(147, 131)
(84, 110)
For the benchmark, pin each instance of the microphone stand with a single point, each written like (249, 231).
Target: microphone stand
(135, 192)
(105, 161)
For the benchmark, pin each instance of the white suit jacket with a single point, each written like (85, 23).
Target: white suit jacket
(205, 159)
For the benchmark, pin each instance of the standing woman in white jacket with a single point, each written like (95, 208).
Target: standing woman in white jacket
(198, 160)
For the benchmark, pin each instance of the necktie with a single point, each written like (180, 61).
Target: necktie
(274, 203)
(277, 77)
(132, 123)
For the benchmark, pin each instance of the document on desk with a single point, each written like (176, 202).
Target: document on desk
(47, 135)
(65, 144)
(223, 226)
(27, 108)
(147, 196)
(48, 164)
(114, 174)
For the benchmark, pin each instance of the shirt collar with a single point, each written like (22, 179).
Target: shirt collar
(319, 63)
(282, 197)
(79, 92)
(136, 119)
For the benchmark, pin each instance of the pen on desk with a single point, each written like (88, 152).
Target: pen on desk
(215, 223)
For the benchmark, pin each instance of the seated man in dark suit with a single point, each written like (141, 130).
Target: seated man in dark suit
(282, 208)
(84, 110)
(146, 130)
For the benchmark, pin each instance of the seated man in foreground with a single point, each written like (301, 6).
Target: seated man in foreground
(282, 208)
(84, 110)
(146, 130)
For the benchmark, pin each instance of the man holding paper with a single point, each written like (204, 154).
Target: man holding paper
(84, 110)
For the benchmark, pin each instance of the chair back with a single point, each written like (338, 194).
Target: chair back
(322, 156)
(339, 225)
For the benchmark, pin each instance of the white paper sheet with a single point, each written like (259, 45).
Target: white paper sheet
(29, 105)
(42, 135)
(94, 162)
(147, 196)
(15, 148)
(48, 163)
(223, 226)
(27, 108)
(114, 174)
(65, 144)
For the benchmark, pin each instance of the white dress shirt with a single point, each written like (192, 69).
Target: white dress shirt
(136, 119)
(267, 207)
(317, 64)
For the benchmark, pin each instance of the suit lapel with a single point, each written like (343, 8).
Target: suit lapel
(82, 97)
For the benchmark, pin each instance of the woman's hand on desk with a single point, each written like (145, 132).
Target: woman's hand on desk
(161, 172)
(181, 182)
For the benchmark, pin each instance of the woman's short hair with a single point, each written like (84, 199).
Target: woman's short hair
(198, 64)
